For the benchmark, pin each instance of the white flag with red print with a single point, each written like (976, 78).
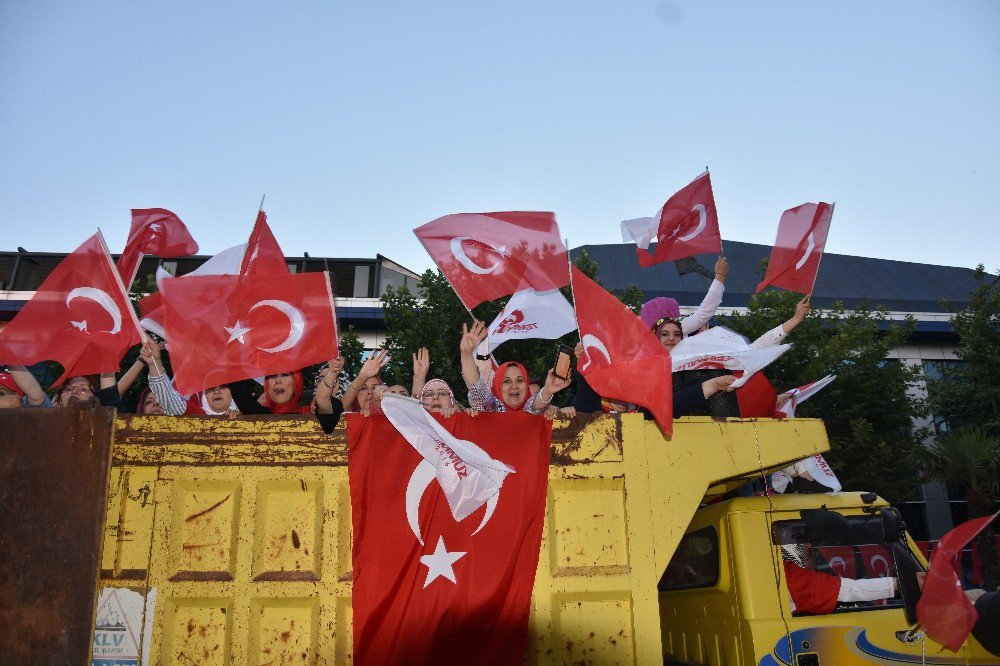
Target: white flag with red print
(719, 348)
(799, 395)
(686, 225)
(798, 249)
(532, 314)
(489, 255)
(468, 476)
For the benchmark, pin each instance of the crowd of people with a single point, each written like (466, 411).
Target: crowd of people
(488, 388)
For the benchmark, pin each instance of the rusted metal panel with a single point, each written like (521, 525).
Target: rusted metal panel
(53, 486)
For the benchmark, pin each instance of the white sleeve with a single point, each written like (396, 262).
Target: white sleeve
(866, 589)
(708, 306)
(770, 339)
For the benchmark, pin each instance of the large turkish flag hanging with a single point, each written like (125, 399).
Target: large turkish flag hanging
(223, 328)
(80, 317)
(798, 248)
(429, 589)
(489, 255)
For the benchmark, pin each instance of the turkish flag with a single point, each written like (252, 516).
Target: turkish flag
(80, 317)
(263, 255)
(757, 397)
(944, 611)
(223, 328)
(619, 350)
(489, 255)
(431, 589)
(688, 224)
(154, 231)
(798, 248)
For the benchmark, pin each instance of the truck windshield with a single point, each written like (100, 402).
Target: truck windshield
(854, 550)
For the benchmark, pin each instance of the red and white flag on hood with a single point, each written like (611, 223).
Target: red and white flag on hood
(80, 316)
(686, 225)
(532, 314)
(430, 588)
(621, 360)
(468, 476)
(489, 255)
(943, 609)
(800, 395)
(223, 328)
(798, 249)
(719, 347)
(154, 231)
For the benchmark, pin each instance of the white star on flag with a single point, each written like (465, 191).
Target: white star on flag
(440, 562)
(236, 332)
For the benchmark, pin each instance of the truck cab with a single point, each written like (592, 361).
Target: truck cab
(724, 596)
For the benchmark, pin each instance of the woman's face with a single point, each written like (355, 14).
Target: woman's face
(218, 398)
(77, 388)
(436, 397)
(513, 388)
(670, 334)
(365, 393)
(150, 405)
(398, 389)
(280, 388)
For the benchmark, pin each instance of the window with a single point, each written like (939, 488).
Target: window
(695, 563)
(856, 551)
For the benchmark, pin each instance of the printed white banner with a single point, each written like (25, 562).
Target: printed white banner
(532, 314)
(801, 394)
(466, 473)
(720, 347)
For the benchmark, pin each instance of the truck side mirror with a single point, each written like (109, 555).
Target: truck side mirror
(892, 525)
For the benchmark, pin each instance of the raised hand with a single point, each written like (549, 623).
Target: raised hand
(721, 268)
(471, 337)
(421, 363)
(378, 360)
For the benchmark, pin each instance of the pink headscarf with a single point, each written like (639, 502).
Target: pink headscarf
(663, 307)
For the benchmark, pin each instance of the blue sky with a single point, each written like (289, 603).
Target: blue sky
(361, 121)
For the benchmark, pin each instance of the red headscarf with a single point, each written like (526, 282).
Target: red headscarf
(498, 382)
(292, 406)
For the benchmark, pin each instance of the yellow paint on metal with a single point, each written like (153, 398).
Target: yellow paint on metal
(244, 529)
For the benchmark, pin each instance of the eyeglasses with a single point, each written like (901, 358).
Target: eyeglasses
(77, 389)
(436, 394)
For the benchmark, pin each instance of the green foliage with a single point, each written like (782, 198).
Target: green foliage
(436, 323)
(969, 393)
(964, 458)
(868, 410)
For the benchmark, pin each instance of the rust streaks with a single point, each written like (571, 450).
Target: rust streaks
(215, 506)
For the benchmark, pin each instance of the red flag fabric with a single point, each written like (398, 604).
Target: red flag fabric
(263, 255)
(224, 328)
(154, 231)
(489, 255)
(944, 610)
(622, 359)
(757, 397)
(798, 248)
(80, 317)
(688, 225)
(429, 589)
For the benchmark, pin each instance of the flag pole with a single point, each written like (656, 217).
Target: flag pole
(569, 260)
(118, 279)
(261, 202)
(820, 262)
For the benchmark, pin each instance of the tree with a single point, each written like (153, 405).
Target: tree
(968, 393)
(868, 410)
(968, 459)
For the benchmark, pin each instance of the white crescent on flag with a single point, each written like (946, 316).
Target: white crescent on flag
(702, 223)
(459, 253)
(296, 324)
(101, 298)
(811, 244)
(591, 341)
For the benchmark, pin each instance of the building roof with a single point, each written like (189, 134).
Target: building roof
(900, 286)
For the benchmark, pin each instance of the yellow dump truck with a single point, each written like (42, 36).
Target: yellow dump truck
(229, 542)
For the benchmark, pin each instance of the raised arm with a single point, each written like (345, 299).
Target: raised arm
(370, 368)
(421, 366)
(778, 333)
(159, 382)
(327, 385)
(129, 376)
(711, 302)
(471, 337)
(540, 401)
(27, 383)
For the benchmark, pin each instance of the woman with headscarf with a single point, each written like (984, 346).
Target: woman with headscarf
(213, 401)
(665, 307)
(438, 398)
(359, 393)
(509, 389)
